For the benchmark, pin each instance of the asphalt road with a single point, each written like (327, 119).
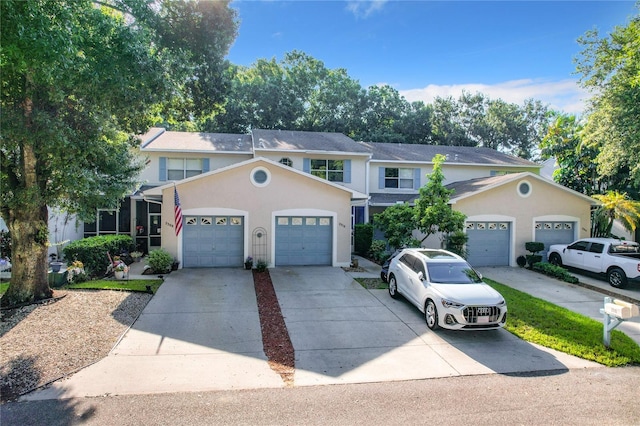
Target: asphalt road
(600, 396)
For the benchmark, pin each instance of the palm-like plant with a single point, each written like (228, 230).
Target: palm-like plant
(615, 205)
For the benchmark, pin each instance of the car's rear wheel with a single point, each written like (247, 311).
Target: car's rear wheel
(393, 287)
(617, 278)
(431, 315)
(555, 259)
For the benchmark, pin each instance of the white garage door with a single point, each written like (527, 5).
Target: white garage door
(488, 243)
(304, 240)
(554, 233)
(213, 241)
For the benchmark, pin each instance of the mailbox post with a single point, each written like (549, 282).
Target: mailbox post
(616, 312)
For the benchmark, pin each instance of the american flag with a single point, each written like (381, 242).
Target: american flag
(177, 210)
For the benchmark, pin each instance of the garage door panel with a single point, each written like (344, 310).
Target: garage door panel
(303, 241)
(488, 243)
(213, 241)
(551, 233)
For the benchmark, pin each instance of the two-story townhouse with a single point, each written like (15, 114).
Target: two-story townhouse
(506, 201)
(291, 197)
(287, 200)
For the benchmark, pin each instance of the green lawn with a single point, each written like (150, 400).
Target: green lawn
(538, 321)
(131, 285)
(546, 324)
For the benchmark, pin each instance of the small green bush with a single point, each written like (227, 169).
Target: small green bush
(554, 271)
(378, 250)
(362, 238)
(92, 251)
(261, 266)
(160, 261)
(534, 246)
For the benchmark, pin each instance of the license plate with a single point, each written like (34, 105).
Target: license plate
(483, 320)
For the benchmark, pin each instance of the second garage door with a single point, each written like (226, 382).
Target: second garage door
(304, 240)
(554, 233)
(488, 243)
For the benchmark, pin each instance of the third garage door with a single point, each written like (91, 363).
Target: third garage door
(304, 240)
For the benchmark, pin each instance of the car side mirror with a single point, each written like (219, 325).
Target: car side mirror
(420, 276)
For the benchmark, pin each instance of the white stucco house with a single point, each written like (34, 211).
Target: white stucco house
(292, 198)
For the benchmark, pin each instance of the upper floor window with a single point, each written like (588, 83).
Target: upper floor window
(331, 170)
(181, 168)
(398, 178)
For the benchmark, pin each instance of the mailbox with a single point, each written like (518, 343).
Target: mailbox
(621, 309)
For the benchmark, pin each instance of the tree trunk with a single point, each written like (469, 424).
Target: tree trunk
(29, 268)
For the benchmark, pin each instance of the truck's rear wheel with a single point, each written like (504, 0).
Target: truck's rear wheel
(617, 278)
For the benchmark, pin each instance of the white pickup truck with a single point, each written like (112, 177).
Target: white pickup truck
(618, 259)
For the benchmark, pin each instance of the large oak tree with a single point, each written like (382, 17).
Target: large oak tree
(79, 79)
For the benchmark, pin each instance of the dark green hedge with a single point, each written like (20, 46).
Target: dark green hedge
(554, 271)
(92, 251)
(362, 238)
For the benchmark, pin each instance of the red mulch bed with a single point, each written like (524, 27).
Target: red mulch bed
(275, 337)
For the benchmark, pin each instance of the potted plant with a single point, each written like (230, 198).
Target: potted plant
(136, 255)
(248, 263)
(120, 270)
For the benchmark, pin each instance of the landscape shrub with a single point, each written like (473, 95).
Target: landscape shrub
(378, 250)
(160, 261)
(554, 271)
(362, 238)
(92, 251)
(533, 247)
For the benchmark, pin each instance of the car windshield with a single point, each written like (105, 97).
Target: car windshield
(452, 273)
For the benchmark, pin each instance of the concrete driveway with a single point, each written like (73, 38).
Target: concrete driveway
(343, 333)
(201, 332)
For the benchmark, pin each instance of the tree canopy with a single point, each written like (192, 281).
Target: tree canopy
(610, 69)
(79, 79)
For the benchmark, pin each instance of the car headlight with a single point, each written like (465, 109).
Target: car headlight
(451, 304)
(501, 303)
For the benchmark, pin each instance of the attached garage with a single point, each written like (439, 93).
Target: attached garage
(488, 243)
(303, 240)
(213, 241)
(549, 233)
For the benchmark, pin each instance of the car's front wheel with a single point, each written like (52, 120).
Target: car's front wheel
(555, 259)
(617, 278)
(393, 287)
(431, 315)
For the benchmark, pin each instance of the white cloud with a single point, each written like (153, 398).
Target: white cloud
(563, 95)
(364, 8)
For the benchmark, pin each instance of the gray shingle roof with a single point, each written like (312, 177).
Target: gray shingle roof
(305, 141)
(156, 139)
(466, 187)
(456, 154)
(389, 199)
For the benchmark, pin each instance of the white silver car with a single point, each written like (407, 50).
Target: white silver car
(449, 292)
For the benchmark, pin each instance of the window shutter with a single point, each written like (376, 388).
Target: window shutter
(306, 165)
(381, 177)
(416, 178)
(205, 165)
(347, 171)
(163, 169)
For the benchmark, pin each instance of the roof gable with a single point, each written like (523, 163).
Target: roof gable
(257, 161)
(469, 188)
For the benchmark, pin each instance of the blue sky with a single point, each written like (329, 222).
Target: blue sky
(511, 50)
